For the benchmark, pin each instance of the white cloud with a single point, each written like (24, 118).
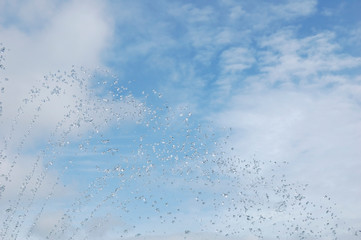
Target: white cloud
(194, 14)
(289, 59)
(236, 12)
(311, 119)
(327, 12)
(75, 34)
(292, 9)
(40, 40)
(232, 62)
(355, 35)
(28, 15)
(236, 59)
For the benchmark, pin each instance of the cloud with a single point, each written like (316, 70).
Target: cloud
(292, 9)
(355, 34)
(67, 39)
(290, 59)
(232, 63)
(49, 101)
(300, 109)
(194, 14)
(236, 59)
(28, 15)
(236, 12)
(43, 83)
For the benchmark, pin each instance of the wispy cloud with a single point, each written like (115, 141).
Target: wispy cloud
(299, 109)
(293, 9)
(289, 58)
(235, 60)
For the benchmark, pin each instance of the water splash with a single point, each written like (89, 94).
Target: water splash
(82, 157)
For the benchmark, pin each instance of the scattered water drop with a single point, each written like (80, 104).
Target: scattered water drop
(148, 166)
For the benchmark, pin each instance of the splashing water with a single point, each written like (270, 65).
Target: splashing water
(84, 158)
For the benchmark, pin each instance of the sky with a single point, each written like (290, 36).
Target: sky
(180, 119)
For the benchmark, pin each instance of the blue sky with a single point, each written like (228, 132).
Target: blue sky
(173, 119)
